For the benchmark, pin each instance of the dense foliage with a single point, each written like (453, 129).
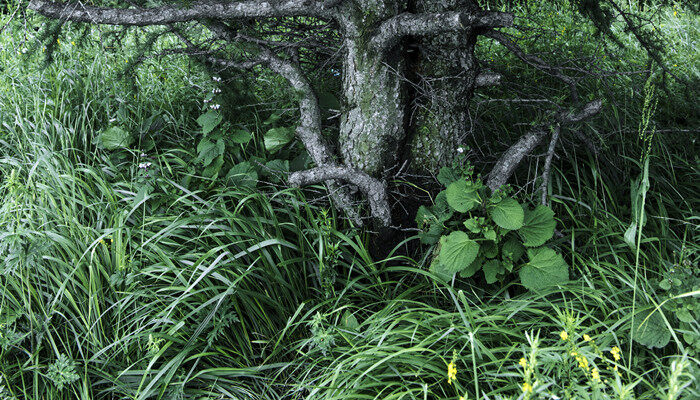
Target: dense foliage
(150, 247)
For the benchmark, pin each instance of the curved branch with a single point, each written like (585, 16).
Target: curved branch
(139, 16)
(372, 188)
(506, 165)
(391, 31)
(309, 132)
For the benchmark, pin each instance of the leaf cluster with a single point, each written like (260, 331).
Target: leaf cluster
(494, 233)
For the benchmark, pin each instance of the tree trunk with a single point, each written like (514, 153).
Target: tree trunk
(372, 127)
(444, 70)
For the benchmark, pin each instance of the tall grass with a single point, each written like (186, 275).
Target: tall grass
(206, 290)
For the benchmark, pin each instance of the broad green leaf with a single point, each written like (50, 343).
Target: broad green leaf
(462, 196)
(538, 226)
(275, 170)
(114, 138)
(242, 175)
(276, 138)
(650, 329)
(490, 234)
(685, 315)
(209, 120)
(447, 175)
(545, 268)
(472, 225)
(491, 269)
(442, 209)
(432, 235)
(473, 267)
(436, 266)
(241, 136)
(508, 214)
(208, 150)
(213, 169)
(489, 249)
(458, 251)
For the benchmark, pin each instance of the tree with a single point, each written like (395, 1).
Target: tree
(383, 122)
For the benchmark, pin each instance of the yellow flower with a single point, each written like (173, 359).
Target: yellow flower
(563, 335)
(586, 338)
(523, 362)
(527, 388)
(451, 372)
(675, 13)
(582, 362)
(615, 351)
(595, 375)
(73, 43)
(58, 41)
(462, 398)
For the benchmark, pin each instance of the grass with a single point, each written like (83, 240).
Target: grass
(123, 282)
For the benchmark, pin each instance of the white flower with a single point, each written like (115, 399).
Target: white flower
(215, 106)
(206, 101)
(216, 90)
(145, 165)
(460, 150)
(216, 79)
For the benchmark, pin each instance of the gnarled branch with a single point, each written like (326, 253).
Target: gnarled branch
(506, 165)
(163, 15)
(372, 188)
(309, 132)
(391, 31)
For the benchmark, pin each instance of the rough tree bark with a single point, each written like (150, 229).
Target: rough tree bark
(378, 109)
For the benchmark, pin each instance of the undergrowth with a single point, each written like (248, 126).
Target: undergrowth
(134, 274)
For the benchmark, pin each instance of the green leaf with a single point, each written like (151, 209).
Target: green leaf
(650, 330)
(208, 150)
(276, 138)
(490, 234)
(489, 249)
(213, 169)
(240, 136)
(631, 235)
(426, 219)
(447, 175)
(472, 225)
(546, 268)
(114, 138)
(508, 214)
(491, 269)
(458, 251)
(349, 321)
(462, 196)
(473, 267)
(442, 209)
(512, 249)
(538, 226)
(432, 235)
(685, 315)
(209, 120)
(242, 175)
